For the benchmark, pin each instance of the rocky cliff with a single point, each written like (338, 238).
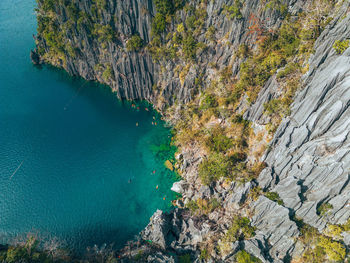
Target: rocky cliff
(257, 92)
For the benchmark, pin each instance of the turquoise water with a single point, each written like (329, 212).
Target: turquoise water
(74, 166)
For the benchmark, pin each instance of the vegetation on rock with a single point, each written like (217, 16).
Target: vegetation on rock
(211, 120)
(324, 208)
(239, 230)
(341, 46)
(135, 43)
(320, 248)
(29, 251)
(234, 11)
(274, 197)
(244, 257)
(203, 206)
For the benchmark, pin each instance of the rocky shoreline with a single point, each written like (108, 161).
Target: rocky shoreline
(306, 160)
(306, 166)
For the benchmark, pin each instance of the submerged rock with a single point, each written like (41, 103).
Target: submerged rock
(35, 58)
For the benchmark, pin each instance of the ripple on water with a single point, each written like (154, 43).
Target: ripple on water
(87, 173)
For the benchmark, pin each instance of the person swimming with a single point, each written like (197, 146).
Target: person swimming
(157, 187)
(129, 181)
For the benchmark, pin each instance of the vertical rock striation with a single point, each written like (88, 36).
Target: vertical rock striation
(308, 164)
(307, 161)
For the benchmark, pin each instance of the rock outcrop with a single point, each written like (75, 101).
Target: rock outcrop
(307, 161)
(134, 74)
(274, 227)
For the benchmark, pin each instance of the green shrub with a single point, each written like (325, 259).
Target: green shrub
(100, 4)
(189, 47)
(277, 5)
(185, 258)
(190, 22)
(204, 254)
(324, 208)
(320, 247)
(213, 204)
(203, 206)
(274, 51)
(244, 257)
(334, 250)
(209, 101)
(135, 43)
(310, 237)
(274, 197)
(164, 8)
(108, 73)
(72, 12)
(158, 24)
(214, 167)
(218, 141)
(104, 33)
(226, 74)
(168, 7)
(274, 106)
(243, 51)
(16, 254)
(47, 5)
(239, 230)
(138, 256)
(334, 231)
(289, 69)
(71, 50)
(315, 255)
(28, 252)
(192, 205)
(210, 34)
(346, 226)
(340, 46)
(234, 11)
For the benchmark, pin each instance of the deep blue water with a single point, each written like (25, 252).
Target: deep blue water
(68, 149)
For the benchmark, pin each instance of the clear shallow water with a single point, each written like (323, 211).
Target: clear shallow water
(75, 148)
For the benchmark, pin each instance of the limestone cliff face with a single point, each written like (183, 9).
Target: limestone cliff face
(308, 163)
(307, 159)
(134, 74)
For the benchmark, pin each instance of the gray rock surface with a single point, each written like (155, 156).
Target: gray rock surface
(135, 74)
(267, 93)
(175, 231)
(160, 258)
(275, 228)
(158, 232)
(308, 164)
(307, 161)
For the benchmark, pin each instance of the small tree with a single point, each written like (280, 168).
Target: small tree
(135, 43)
(340, 46)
